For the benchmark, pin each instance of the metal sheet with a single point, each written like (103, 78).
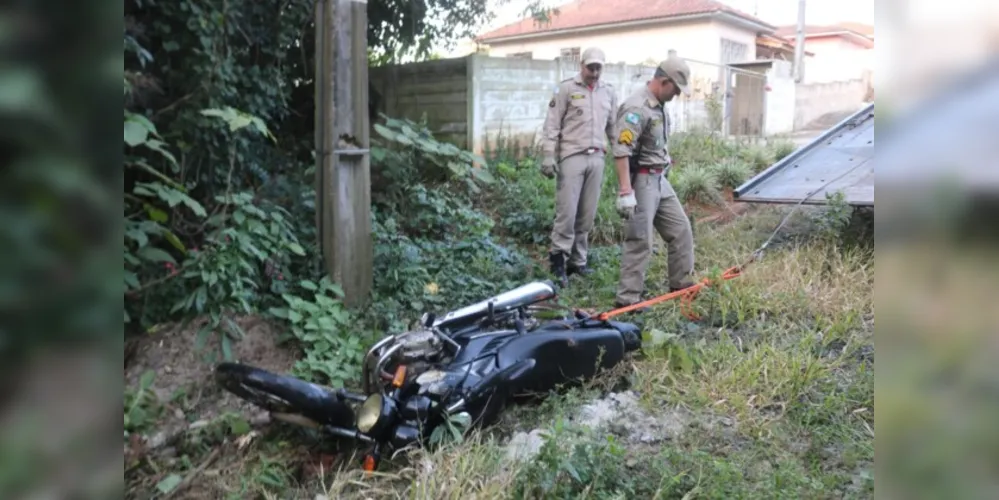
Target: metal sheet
(841, 159)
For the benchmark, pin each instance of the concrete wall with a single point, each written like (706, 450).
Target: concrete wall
(475, 100)
(438, 89)
(780, 99)
(836, 59)
(815, 100)
(510, 96)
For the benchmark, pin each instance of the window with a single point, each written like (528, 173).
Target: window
(733, 52)
(570, 54)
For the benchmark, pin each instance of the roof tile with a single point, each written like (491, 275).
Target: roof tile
(586, 13)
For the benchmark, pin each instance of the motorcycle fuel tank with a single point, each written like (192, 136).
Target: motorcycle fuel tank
(521, 296)
(563, 355)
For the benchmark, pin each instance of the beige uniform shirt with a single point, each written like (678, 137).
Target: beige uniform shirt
(642, 121)
(579, 118)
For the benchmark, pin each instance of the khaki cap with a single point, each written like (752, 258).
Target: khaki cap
(593, 55)
(678, 71)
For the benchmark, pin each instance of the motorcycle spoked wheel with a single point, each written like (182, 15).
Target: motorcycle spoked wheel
(278, 394)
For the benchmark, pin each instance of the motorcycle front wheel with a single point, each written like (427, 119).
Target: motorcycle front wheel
(282, 394)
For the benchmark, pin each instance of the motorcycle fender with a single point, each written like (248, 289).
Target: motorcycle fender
(563, 356)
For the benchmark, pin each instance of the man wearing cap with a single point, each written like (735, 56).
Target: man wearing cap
(579, 124)
(646, 199)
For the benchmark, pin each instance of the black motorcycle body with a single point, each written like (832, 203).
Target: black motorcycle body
(470, 361)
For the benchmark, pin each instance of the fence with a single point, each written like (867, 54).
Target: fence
(477, 100)
(815, 101)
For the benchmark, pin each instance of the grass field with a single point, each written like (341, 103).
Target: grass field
(774, 382)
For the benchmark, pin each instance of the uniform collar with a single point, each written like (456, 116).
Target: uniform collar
(651, 99)
(579, 81)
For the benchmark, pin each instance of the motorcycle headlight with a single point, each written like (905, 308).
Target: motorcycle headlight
(369, 413)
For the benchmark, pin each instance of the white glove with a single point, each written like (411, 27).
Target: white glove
(548, 167)
(626, 204)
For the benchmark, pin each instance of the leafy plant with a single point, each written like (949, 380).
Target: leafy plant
(835, 218)
(732, 173)
(572, 462)
(249, 246)
(141, 405)
(697, 183)
(317, 318)
(408, 150)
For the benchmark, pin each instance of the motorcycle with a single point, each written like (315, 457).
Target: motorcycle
(467, 363)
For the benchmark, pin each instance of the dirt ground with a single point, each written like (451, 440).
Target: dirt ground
(184, 383)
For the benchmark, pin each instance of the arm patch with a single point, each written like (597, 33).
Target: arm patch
(626, 137)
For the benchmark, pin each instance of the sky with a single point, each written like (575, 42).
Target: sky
(777, 12)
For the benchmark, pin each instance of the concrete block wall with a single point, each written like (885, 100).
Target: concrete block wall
(438, 89)
(815, 100)
(471, 101)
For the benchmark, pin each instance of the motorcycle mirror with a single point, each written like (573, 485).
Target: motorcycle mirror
(428, 319)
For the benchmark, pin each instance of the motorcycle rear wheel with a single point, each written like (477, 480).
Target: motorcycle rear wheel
(281, 393)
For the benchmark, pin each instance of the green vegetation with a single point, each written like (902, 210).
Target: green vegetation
(221, 261)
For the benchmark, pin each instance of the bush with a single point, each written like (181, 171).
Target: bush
(732, 173)
(782, 149)
(690, 148)
(758, 157)
(699, 184)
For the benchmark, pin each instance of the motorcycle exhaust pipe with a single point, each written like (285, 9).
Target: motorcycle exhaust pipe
(296, 419)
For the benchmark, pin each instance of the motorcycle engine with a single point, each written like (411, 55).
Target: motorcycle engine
(419, 349)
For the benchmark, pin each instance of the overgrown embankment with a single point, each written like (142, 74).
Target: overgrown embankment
(770, 394)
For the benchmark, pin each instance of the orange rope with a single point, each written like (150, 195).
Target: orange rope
(686, 297)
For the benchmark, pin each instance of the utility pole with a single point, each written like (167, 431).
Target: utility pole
(799, 44)
(343, 178)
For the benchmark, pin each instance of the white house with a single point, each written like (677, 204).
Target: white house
(635, 32)
(842, 52)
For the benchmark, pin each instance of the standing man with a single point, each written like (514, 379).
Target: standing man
(579, 124)
(646, 199)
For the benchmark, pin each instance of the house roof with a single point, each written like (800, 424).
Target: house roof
(863, 29)
(582, 14)
(862, 34)
(777, 42)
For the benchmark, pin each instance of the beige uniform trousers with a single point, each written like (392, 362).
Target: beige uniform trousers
(577, 193)
(659, 208)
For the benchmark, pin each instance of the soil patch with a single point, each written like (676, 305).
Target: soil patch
(184, 384)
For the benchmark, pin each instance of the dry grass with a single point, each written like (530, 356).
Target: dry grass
(779, 372)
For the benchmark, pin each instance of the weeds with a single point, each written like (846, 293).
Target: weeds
(777, 372)
(732, 173)
(698, 184)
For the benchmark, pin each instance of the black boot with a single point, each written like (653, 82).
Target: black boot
(557, 260)
(580, 270)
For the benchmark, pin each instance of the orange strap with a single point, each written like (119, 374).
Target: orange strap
(686, 297)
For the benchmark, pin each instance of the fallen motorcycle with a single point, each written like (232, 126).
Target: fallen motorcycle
(467, 363)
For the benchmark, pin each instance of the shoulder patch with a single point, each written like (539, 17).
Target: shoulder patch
(632, 118)
(551, 103)
(626, 137)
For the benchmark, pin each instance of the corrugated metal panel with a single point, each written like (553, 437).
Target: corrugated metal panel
(841, 159)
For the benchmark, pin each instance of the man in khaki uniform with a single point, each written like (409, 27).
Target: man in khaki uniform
(646, 199)
(579, 124)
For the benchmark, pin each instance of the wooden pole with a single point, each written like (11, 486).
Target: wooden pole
(799, 44)
(343, 180)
